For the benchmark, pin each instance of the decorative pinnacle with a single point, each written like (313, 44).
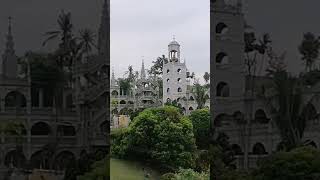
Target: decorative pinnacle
(9, 24)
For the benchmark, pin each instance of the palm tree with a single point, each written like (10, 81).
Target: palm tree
(200, 94)
(67, 41)
(289, 110)
(206, 77)
(309, 49)
(86, 41)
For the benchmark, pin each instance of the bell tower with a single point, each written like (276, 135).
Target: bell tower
(228, 68)
(174, 74)
(174, 51)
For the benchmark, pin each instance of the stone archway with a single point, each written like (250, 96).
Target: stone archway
(15, 158)
(15, 99)
(40, 129)
(64, 159)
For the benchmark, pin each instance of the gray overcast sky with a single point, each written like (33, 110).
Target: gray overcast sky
(145, 27)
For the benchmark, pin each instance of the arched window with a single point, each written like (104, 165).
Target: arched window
(239, 117)
(39, 161)
(179, 70)
(221, 28)
(114, 93)
(222, 58)
(15, 99)
(168, 80)
(259, 149)
(66, 130)
(168, 70)
(191, 98)
(236, 149)
(179, 89)
(261, 117)
(63, 159)
(115, 111)
(15, 158)
(122, 102)
(190, 108)
(223, 90)
(179, 80)
(220, 119)
(130, 102)
(40, 129)
(168, 90)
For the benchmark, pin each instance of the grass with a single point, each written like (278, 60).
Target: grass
(127, 170)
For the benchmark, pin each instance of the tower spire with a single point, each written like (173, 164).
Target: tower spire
(143, 72)
(9, 59)
(104, 37)
(9, 39)
(113, 78)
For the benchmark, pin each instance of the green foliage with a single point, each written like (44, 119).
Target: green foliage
(290, 111)
(119, 142)
(157, 68)
(125, 85)
(206, 77)
(299, 164)
(309, 49)
(186, 174)
(202, 162)
(200, 119)
(100, 171)
(200, 95)
(161, 135)
(221, 157)
(174, 103)
(310, 78)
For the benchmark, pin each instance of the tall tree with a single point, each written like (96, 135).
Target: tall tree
(206, 77)
(131, 75)
(157, 68)
(309, 49)
(200, 95)
(290, 110)
(253, 48)
(65, 35)
(86, 41)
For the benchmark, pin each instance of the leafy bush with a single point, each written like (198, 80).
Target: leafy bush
(200, 119)
(99, 171)
(161, 135)
(186, 174)
(300, 164)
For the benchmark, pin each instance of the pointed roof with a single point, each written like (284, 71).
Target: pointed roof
(9, 49)
(113, 78)
(104, 29)
(143, 71)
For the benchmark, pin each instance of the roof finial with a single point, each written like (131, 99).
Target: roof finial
(9, 24)
(174, 37)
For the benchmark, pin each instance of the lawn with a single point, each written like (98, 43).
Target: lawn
(127, 170)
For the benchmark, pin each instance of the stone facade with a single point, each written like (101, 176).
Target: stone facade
(145, 91)
(83, 121)
(237, 110)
